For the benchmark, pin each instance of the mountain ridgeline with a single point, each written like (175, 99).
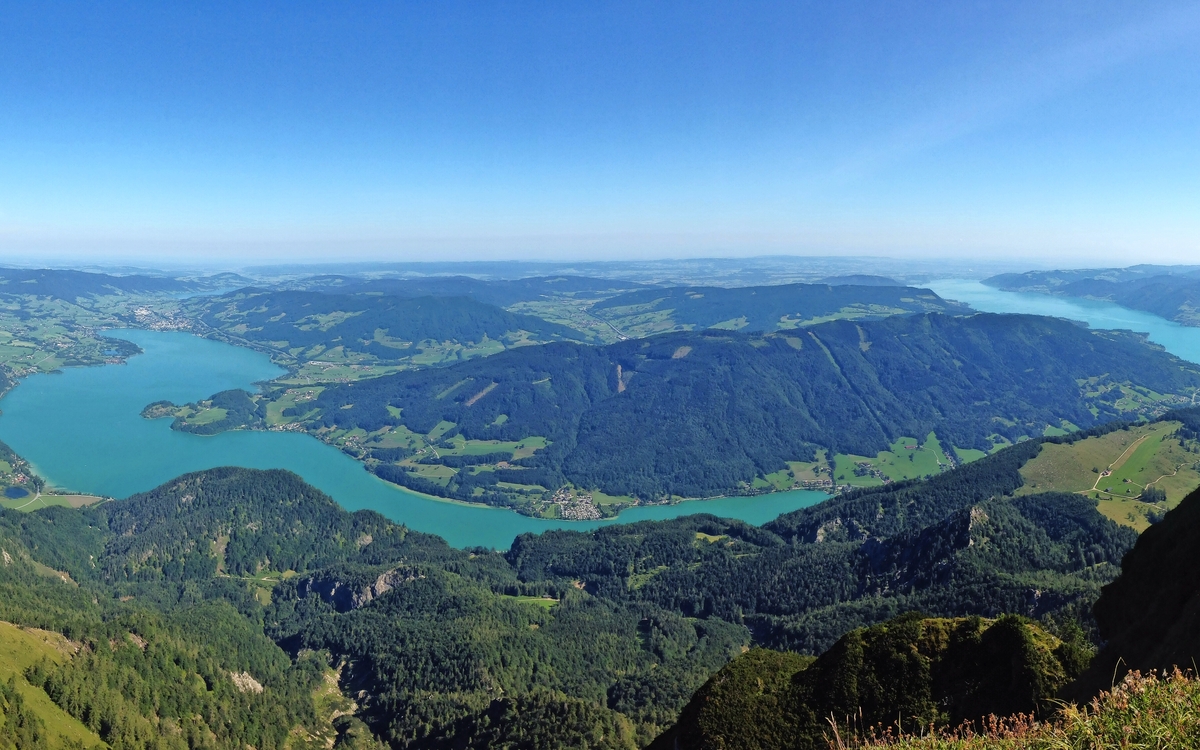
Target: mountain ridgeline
(498, 292)
(72, 285)
(767, 308)
(704, 413)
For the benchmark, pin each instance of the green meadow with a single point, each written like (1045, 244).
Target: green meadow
(908, 458)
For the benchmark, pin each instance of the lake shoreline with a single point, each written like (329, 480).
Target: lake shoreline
(83, 430)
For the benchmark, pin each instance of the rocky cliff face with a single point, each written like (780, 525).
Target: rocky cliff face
(351, 590)
(1150, 615)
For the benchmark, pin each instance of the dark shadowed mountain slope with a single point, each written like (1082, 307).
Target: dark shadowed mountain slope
(705, 413)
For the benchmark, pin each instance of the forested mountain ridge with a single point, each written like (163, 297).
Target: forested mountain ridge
(608, 310)
(888, 674)
(705, 413)
(763, 308)
(567, 636)
(1171, 292)
(957, 544)
(370, 328)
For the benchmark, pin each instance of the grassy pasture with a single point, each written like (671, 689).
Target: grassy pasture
(599, 498)
(288, 399)
(571, 311)
(34, 501)
(441, 428)
(20, 649)
(1145, 453)
(1137, 457)
(544, 602)
(399, 437)
(851, 312)
(811, 470)
(206, 416)
(908, 458)
(313, 372)
(463, 447)
(967, 455)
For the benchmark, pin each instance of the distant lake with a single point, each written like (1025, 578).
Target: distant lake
(1182, 341)
(83, 430)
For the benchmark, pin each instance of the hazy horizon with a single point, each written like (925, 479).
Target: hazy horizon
(1027, 133)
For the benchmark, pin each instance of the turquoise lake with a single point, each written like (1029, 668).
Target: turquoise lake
(1182, 341)
(83, 430)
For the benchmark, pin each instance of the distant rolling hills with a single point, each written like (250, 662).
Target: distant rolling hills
(634, 310)
(72, 285)
(764, 308)
(438, 320)
(499, 292)
(371, 328)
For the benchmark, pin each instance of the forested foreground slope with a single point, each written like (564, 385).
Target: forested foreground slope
(707, 413)
(235, 607)
(910, 674)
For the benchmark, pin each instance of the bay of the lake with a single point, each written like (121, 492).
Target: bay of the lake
(82, 429)
(1180, 340)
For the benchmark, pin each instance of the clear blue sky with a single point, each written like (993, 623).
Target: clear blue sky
(599, 129)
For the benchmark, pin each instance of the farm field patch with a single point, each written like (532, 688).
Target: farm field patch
(908, 458)
(1115, 469)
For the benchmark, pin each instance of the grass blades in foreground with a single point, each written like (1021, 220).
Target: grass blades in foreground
(1142, 711)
